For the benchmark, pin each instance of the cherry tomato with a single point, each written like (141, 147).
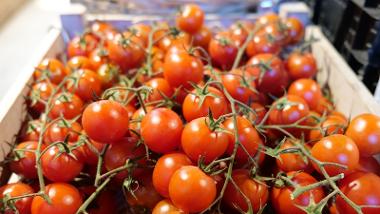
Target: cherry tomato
(165, 168)
(51, 68)
(105, 121)
(60, 130)
(86, 86)
(281, 196)
(201, 141)
(261, 43)
(60, 166)
(135, 122)
(40, 91)
(198, 103)
(223, 50)
(268, 18)
(247, 135)
(82, 45)
(181, 69)
(25, 161)
(166, 207)
(368, 164)
(338, 149)
(296, 30)
(257, 193)
(107, 74)
(174, 42)
(362, 189)
(103, 29)
(308, 89)
(288, 162)
(364, 130)
(160, 87)
(79, 62)
(277, 31)
(91, 152)
(142, 31)
(161, 130)
(144, 195)
(202, 37)
(239, 32)
(259, 113)
(269, 73)
(13, 190)
(191, 190)
(190, 19)
(67, 105)
(98, 57)
(65, 199)
(332, 125)
(120, 152)
(301, 65)
(33, 131)
(324, 106)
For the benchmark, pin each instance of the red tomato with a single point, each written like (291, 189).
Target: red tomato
(239, 32)
(144, 195)
(362, 189)
(166, 207)
(281, 197)
(52, 68)
(89, 155)
(103, 29)
(40, 91)
(25, 162)
(161, 130)
(142, 31)
(339, 149)
(198, 105)
(324, 106)
(277, 32)
(202, 38)
(259, 113)
(181, 69)
(364, 129)
(82, 45)
(332, 125)
(87, 85)
(269, 73)
(13, 190)
(60, 166)
(223, 50)
(159, 86)
(67, 105)
(288, 162)
(118, 153)
(308, 89)
(201, 141)
(257, 193)
(190, 19)
(191, 190)
(107, 74)
(261, 43)
(165, 168)
(268, 18)
(33, 131)
(65, 199)
(135, 122)
(58, 131)
(301, 65)
(105, 121)
(247, 135)
(79, 62)
(97, 58)
(368, 164)
(296, 30)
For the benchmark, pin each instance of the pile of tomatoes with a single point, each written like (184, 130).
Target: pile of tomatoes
(188, 119)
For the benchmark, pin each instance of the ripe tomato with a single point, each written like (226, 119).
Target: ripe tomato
(127, 51)
(135, 122)
(51, 68)
(58, 131)
(118, 153)
(98, 57)
(239, 32)
(181, 68)
(332, 125)
(281, 196)
(165, 168)
(223, 50)
(67, 105)
(190, 19)
(368, 164)
(362, 189)
(13, 190)
(166, 207)
(240, 85)
(364, 129)
(107, 74)
(144, 195)
(33, 131)
(296, 30)
(301, 65)
(269, 73)
(142, 31)
(198, 105)
(259, 113)
(288, 110)
(261, 43)
(104, 30)
(40, 91)
(65, 199)
(288, 162)
(59, 166)
(324, 106)
(82, 45)
(268, 18)
(277, 32)
(86, 85)
(339, 149)
(191, 190)
(25, 161)
(202, 37)
(161, 130)
(171, 43)
(257, 193)
(308, 89)
(200, 141)
(247, 135)
(105, 121)
(89, 155)
(159, 86)
(79, 62)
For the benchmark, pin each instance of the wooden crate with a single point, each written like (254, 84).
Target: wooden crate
(350, 95)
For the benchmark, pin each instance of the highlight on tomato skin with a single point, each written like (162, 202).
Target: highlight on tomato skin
(177, 117)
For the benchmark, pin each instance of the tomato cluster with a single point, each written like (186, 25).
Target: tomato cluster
(180, 119)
